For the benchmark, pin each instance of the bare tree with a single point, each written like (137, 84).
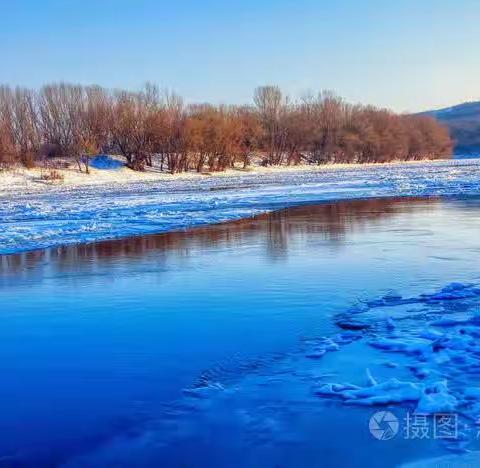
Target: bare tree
(270, 104)
(151, 126)
(20, 110)
(94, 129)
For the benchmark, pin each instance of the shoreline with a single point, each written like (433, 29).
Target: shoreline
(22, 180)
(109, 241)
(48, 215)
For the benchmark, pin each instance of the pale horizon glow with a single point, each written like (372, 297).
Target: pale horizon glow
(408, 56)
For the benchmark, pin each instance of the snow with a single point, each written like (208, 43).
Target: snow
(37, 215)
(417, 346)
(390, 391)
(436, 358)
(438, 348)
(437, 399)
(430, 399)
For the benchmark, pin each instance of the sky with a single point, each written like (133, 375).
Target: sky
(406, 55)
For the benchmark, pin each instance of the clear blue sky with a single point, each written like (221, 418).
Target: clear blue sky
(407, 55)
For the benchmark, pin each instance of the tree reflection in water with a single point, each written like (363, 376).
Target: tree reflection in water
(333, 222)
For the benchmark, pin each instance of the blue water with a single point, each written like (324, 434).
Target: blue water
(96, 338)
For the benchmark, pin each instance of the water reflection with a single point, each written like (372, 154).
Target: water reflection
(99, 334)
(332, 222)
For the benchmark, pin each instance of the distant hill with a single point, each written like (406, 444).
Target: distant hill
(464, 123)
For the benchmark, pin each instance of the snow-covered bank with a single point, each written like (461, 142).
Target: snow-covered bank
(110, 171)
(66, 213)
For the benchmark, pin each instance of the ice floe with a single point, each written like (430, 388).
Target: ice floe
(439, 356)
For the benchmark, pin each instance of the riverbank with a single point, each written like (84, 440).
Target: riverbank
(21, 180)
(66, 213)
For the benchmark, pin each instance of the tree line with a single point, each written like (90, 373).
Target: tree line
(150, 126)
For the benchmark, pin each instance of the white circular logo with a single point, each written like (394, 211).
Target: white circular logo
(383, 425)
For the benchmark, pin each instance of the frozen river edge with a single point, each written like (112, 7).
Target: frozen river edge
(62, 215)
